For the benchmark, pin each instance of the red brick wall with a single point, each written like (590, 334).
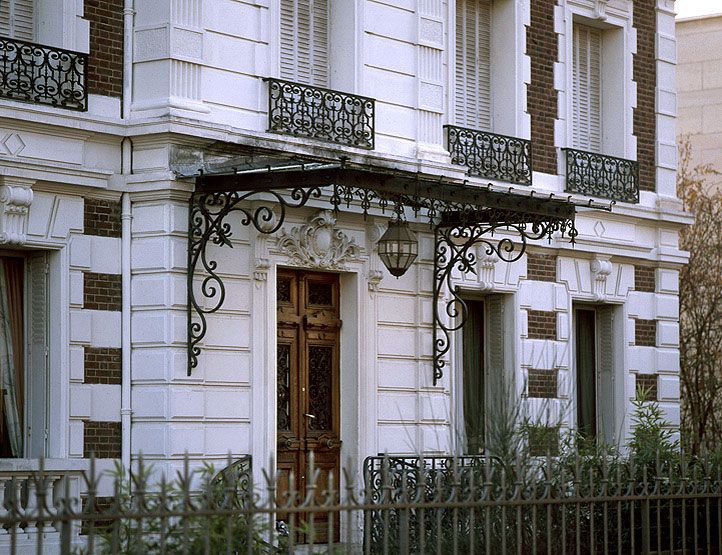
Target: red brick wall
(646, 384)
(105, 65)
(102, 217)
(644, 279)
(543, 440)
(102, 291)
(541, 46)
(541, 267)
(102, 365)
(645, 333)
(542, 383)
(542, 325)
(644, 17)
(102, 439)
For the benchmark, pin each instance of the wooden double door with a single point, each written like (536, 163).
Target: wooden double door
(308, 404)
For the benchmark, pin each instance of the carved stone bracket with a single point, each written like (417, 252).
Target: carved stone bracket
(486, 263)
(318, 244)
(600, 269)
(16, 196)
(600, 9)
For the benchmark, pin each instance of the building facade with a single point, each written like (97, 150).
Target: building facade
(699, 88)
(165, 294)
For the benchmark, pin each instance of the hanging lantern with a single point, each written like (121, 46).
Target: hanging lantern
(398, 247)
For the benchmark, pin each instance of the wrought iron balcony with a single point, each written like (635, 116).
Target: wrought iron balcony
(602, 176)
(490, 155)
(305, 111)
(43, 74)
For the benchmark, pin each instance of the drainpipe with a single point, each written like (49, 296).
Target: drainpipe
(126, 218)
(125, 406)
(128, 15)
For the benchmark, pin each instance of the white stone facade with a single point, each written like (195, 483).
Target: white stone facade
(197, 69)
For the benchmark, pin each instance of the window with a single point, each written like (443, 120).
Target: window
(485, 385)
(23, 356)
(17, 19)
(595, 373)
(473, 91)
(304, 41)
(587, 88)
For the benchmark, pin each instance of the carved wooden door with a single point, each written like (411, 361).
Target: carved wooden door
(308, 385)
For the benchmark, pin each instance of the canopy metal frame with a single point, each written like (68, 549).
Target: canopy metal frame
(462, 217)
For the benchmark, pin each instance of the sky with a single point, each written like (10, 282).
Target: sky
(691, 8)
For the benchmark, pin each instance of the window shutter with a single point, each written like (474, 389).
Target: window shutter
(304, 41)
(498, 376)
(17, 19)
(605, 374)
(473, 64)
(37, 375)
(587, 89)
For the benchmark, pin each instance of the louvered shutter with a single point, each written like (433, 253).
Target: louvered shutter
(304, 41)
(587, 93)
(38, 370)
(605, 375)
(498, 376)
(473, 64)
(17, 19)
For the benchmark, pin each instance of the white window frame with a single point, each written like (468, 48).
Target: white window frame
(510, 67)
(617, 117)
(60, 24)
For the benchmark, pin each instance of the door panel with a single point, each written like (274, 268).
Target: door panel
(308, 384)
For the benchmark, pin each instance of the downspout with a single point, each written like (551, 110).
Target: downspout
(125, 406)
(126, 218)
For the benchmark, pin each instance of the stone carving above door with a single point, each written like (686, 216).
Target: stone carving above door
(318, 244)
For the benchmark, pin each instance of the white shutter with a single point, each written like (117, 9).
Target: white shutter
(304, 41)
(473, 64)
(36, 412)
(587, 85)
(17, 19)
(605, 375)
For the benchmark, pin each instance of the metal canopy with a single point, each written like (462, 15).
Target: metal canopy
(462, 215)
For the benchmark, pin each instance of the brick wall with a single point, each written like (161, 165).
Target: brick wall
(541, 267)
(646, 387)
(102, 439)
(645, 333)
(105, 64)
(644, 17)
(542, 383)
(102, 291)
(644, 279)
(541, 42)
(542, 324)
(102, 365)
(543, 440)
(102, 217)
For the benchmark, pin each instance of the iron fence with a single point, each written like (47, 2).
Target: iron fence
(490, 155)
(40, 74)
(404, 505)
(317, 113)
(602, 176)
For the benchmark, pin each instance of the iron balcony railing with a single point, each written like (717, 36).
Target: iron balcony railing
(602, 176)
(490, 155)
(324, 114)
(43, 74)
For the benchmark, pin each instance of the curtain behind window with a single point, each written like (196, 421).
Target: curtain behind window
(11, 355)
(586, 374)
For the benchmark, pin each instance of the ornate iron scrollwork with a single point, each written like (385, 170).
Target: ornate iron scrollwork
(461, 216)
(490, 155)
(206, 216)
(454, 250)
(42, 74)
(317, 113)
(602, 176)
